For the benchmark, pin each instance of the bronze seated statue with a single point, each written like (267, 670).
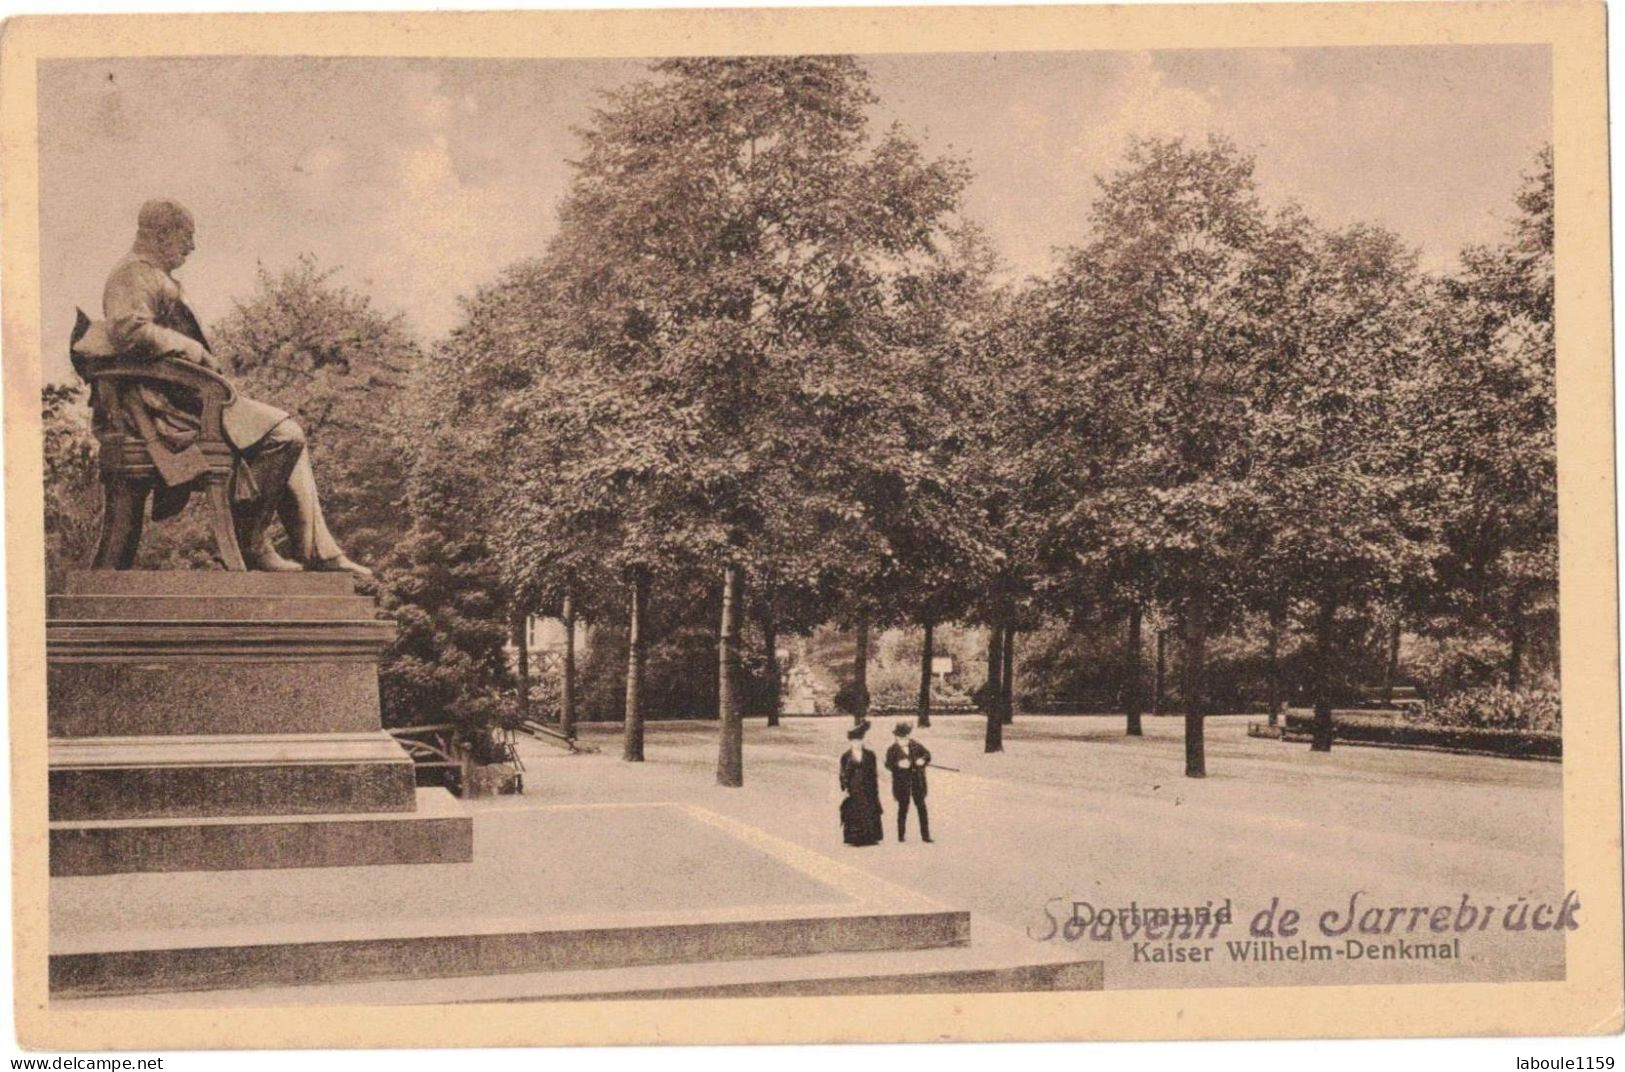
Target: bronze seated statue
(170, 424)
(135, 459)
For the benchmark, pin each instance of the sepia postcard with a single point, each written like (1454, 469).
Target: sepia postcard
(801, 525)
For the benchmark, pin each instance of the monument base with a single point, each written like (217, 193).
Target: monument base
(207, 721)
(561, 902)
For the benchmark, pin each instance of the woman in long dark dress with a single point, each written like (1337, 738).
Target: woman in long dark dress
(860, 811)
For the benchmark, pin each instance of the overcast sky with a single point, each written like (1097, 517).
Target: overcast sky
(421, 179)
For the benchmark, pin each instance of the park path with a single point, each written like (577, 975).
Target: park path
(1075, 811)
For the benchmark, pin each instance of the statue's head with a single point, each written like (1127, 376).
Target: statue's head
(165, 229)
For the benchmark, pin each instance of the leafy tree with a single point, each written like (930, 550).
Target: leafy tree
(942, 540)
(442, 584)
(320, 351)
(1244, 385)
(1340, 488)
(72, 487)
(402, 469)
(1152, 327)
(724, 336)
(448, 659)
(998, 401)
(1490, 426)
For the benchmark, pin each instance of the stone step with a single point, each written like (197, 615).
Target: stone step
(108, 778)
(552, 887)
(827, 980)
(996, 960)
(438, 831)
(210, 640)
(395, 953)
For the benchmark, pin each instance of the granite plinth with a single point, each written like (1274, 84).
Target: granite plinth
(93, 778)
(131, 653)
(136, 697)
(188, 583)
(125, 606)
(209, 720)
(437, 832)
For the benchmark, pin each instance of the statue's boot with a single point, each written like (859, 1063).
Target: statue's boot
(265, 558)
(270, 466)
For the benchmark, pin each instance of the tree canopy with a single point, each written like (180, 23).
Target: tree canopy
(765, 362)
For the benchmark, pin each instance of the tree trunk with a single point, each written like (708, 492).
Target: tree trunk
(1162, 671)
(1007, 709)
(713, 703)
(567, 701)
(1515, 657)
(860, 674)
(522, 653)
(1132, 696)
(770, 639)
(731, 749)
(1195, 625)
(632, 750)
(994, 741)
(1390, 672)
(1274, 677)
(1325, 619)
(923, 709)
(995, 667)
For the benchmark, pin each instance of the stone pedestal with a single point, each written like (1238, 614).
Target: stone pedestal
(205, 720)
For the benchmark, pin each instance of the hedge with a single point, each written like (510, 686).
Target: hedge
(1356, 727)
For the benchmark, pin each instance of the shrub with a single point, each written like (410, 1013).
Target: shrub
(1498, 707)
(895, 683)
(849, 699)
(1387, 729)
(679, 674)
(1441, 665)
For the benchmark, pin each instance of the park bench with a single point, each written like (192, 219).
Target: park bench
(1404, 697)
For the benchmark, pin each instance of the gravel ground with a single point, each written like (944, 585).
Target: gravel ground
(1074, 811)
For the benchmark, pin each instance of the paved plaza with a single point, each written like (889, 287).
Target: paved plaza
(1073, 810)
(607, 877)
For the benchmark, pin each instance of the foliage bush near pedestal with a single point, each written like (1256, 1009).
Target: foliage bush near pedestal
(1498, 707)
